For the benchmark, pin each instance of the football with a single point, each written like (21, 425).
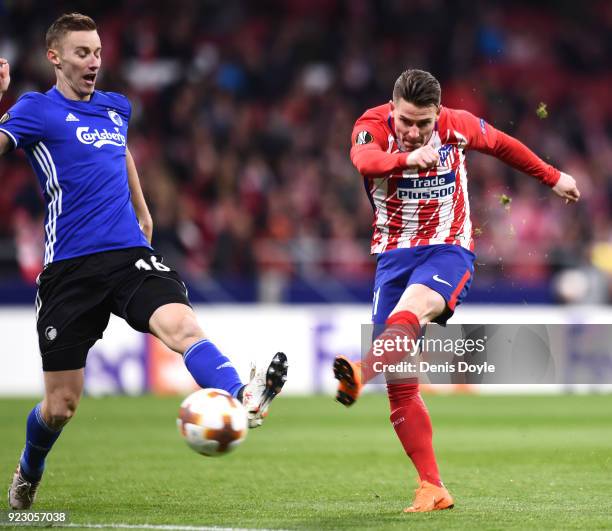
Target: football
(212, 422)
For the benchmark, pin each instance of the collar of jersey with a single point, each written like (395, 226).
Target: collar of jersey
(57, 94)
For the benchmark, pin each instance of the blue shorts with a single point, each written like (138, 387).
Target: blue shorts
(446, 269)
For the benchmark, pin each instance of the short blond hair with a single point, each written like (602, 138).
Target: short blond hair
(65, 24)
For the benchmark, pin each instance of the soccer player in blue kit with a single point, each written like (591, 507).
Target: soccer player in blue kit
(98, 256)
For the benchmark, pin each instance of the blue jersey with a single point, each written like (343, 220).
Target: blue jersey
(78, 151)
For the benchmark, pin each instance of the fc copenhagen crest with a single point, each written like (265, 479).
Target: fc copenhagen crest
(50, 333)
(115, 118)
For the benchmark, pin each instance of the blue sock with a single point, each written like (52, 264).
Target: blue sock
(39, 440)
(210, 368)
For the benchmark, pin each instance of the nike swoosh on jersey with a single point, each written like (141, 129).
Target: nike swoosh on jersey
(438, 279)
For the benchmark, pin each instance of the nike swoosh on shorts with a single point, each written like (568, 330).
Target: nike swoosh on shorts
(438, 279)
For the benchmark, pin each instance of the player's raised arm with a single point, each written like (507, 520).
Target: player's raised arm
(138, 201)
(367, 153)
(485, 138)
(5, 80)
(369, 157)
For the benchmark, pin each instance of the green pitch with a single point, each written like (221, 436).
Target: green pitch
(511, 463)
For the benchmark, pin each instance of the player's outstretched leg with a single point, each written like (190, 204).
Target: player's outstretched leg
(265, 384)
(176, 325)
(348, 374)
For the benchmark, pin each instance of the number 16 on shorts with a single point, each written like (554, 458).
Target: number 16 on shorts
(143, 265)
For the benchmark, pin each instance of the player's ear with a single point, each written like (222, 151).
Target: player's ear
(391, 105)
(53, 57)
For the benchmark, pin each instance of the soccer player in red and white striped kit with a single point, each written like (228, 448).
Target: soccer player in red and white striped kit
(411, 154)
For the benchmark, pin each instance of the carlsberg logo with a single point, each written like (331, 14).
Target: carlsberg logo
(100, 138)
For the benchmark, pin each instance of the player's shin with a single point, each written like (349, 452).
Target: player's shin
(412, 424)
(210, 368)
(398, 340)
(40, 438)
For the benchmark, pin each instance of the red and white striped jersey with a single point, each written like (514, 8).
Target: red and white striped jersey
(414, 208)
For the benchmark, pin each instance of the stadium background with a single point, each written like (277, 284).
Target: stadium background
(240, 131)
(241, 125)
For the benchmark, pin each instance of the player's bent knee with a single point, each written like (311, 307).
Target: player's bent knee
(59, 408)
(422, 301)
(435, 306)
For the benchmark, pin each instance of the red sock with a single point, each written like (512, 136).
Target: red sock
(400, 324)
(412, 425)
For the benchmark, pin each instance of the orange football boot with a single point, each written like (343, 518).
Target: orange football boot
(429, 497)
(348, 374)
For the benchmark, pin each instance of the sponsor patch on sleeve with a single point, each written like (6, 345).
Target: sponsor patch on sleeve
(5, 117)
(363, 138)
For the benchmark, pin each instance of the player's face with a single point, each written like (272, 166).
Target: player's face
(77, 61)
(413, 125)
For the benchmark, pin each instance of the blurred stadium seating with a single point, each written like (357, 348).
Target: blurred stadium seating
(241, 124)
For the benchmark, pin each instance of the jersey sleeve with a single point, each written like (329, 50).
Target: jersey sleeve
(474, 133)
(369, 142)
(124, 104)
(24, 122)
(127, 109)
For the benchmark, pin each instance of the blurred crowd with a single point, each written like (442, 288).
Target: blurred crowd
(242, 113)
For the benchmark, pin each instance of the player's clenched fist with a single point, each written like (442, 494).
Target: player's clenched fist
(423, 158)
(5, 75)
